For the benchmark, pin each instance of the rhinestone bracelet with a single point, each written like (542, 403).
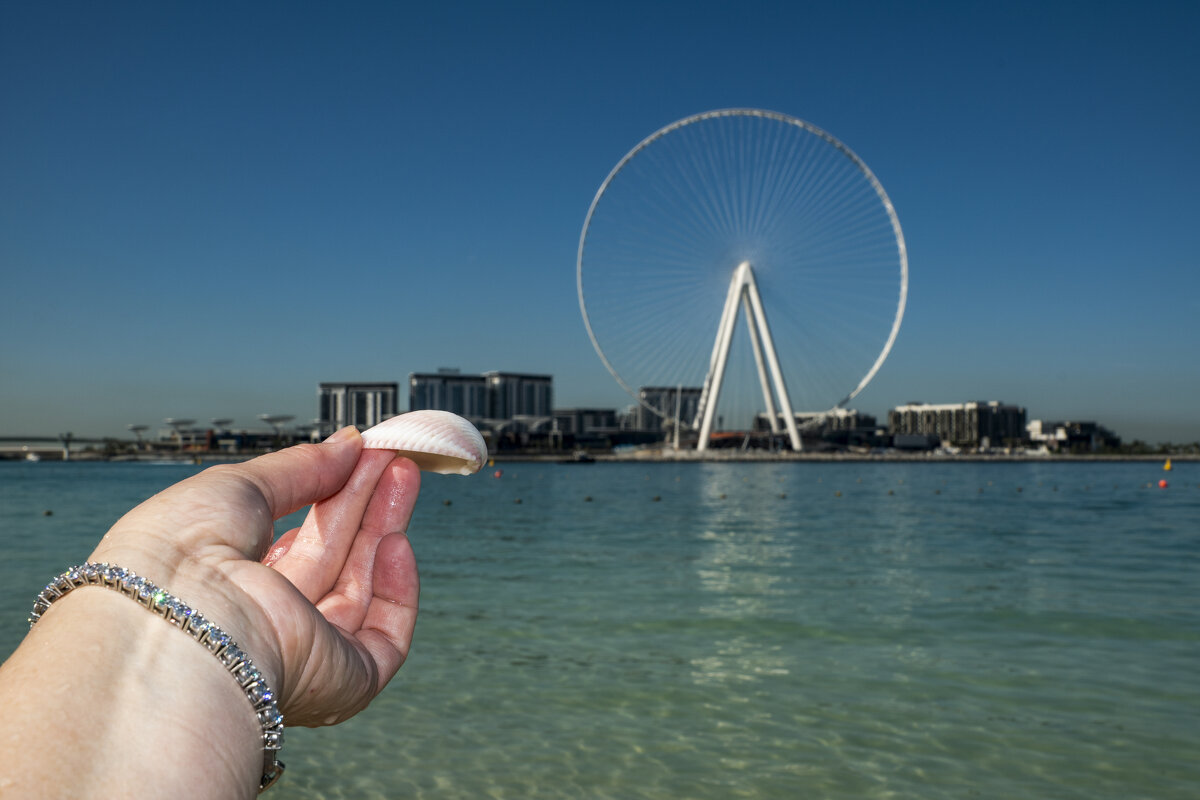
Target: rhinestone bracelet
(176, 612)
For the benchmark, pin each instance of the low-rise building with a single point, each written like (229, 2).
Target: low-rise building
(1078, 437)
(836, 419)
(580, 421)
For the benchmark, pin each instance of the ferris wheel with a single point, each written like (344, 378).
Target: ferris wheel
(742, 213)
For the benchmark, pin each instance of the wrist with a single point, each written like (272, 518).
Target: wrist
(210, 588)
(212, 637)
(161, 715)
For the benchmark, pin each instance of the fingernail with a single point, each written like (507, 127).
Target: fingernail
(346, 434)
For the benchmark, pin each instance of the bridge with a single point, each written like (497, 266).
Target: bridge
(50, 447)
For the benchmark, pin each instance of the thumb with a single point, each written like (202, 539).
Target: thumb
(304, 474)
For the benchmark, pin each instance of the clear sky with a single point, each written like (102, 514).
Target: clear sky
(208, 208)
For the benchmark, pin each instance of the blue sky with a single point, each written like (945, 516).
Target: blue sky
(206, 209)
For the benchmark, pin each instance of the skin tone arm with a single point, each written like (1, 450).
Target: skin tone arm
(105, 699)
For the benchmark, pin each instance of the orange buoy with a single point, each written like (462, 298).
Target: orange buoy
(497, 473)
(1162, 484)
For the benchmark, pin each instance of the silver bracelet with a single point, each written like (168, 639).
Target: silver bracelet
(175, 611)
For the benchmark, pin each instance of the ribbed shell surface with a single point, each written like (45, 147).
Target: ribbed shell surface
(437, 441)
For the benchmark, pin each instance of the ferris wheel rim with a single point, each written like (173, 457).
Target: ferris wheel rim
(873, 181)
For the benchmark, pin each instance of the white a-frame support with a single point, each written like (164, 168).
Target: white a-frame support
(744, 291)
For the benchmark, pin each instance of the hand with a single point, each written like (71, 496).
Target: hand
(327, 612)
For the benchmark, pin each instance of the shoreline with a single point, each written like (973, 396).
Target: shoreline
(897, 458)
(681, 457)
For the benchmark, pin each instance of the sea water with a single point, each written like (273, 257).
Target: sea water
(833, 630)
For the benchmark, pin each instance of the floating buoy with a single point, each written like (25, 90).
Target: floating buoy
(491, 462)
(837, 494)
(891, 491)
(1167, 466)
(497, 473)
(1162, 484)
(517, 501)
(783, 495)
(656, 498)
(445, 502)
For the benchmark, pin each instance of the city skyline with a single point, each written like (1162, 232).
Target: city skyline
(209, 211)
(634, 410)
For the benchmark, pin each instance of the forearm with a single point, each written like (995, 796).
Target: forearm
(105, 699)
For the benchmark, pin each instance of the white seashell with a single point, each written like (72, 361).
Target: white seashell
(436, 441)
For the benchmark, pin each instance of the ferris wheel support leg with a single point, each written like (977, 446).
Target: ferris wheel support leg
(756, 346)
(764, 330)
(716, 367)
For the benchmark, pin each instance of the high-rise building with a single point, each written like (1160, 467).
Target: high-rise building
(514, 394)
(971, 424)
(361, 404)
(664, 400)
(492, 395)
(449, 390)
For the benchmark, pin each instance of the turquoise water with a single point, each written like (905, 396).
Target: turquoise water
(934, 631)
